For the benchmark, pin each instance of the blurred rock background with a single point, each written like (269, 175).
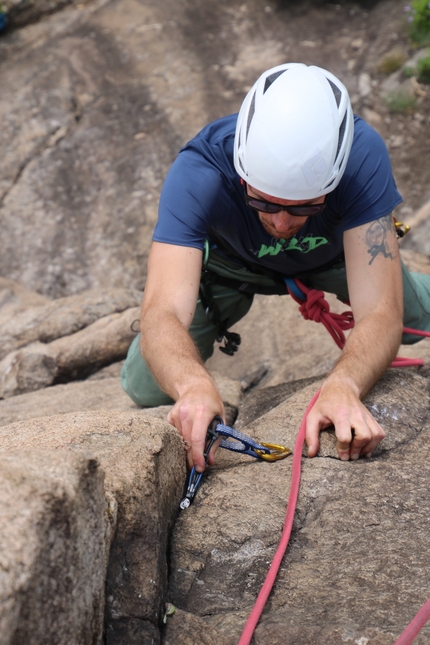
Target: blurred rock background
(97, 99)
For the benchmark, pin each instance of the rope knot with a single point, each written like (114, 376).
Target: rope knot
(314, 307)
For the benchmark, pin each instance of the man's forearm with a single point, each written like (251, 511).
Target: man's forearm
(171, 353)
(370, 347)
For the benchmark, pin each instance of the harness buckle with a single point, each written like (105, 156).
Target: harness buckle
(276, 451)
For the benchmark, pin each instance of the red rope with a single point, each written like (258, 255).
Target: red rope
(415, 332)
(415, 626)
(254, 616)
(316, 308)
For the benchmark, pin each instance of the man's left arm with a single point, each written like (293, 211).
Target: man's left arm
(376, 294)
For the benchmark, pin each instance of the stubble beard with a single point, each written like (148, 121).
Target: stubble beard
(290, 232)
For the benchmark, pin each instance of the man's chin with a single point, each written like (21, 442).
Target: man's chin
(281, 235)
(284, 235)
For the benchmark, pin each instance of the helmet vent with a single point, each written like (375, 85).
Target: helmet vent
(250, 114)
(270, 79)
(336, 91)
(341, 135)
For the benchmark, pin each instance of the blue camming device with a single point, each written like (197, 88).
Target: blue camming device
(235, 441)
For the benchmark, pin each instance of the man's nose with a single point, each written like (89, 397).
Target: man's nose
(281, 219)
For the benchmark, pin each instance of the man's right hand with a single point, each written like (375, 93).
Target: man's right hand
(192, 414)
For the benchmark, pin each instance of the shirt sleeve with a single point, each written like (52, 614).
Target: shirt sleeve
(191, 200)
(368, 190)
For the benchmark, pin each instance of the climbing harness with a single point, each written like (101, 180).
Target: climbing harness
(209, 278)
(312, 303)
(236, 441)
(232, 340)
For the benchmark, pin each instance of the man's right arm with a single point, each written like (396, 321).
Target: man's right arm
(168, 307)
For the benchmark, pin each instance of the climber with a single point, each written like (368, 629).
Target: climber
(294, 185)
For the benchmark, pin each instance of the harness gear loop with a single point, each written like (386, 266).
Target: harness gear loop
(401, 229)
(208, 278)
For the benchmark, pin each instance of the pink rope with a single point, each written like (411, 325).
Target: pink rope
(415, 332)
(257, 610)
(415, 626)
(316, 308)
(406, 362)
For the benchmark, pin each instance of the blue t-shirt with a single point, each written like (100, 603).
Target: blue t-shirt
(202, 198)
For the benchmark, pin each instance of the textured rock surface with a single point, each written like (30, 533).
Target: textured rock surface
(39, 365)
(86, 141)
(22, 12)
(79, 396)
(54, 544)
(144, 463)
(356, 564)
(187, 629)
(15, 298)
(98, 394)
(62, 317)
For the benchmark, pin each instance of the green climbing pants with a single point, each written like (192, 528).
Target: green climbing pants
(136, 377)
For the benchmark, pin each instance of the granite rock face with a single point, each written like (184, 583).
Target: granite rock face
(39, 365)
(95, 103)
(15, 298)
(62, 317)
(66, 339)
(100, 394)
(355, 567)
(54, 546)
(144, 464)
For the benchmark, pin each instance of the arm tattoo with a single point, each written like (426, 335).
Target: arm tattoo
(379, 236)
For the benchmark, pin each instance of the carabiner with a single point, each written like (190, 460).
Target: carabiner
(211, 436)
(195, 478)
(276, 452)
(401, 228)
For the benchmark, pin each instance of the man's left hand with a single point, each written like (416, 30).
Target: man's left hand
(357, 432)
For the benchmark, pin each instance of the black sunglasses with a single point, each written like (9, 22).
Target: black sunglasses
(299, 210)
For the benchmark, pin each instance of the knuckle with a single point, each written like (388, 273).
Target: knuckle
(382, 433)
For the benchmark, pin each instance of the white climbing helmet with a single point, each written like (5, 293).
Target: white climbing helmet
(294, 132)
